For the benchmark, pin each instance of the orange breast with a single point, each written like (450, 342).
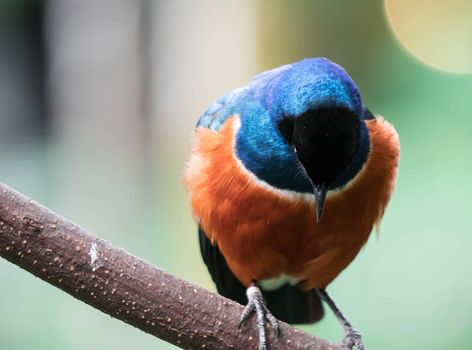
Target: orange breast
(264, 232)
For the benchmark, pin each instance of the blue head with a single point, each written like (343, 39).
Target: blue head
(302, 128)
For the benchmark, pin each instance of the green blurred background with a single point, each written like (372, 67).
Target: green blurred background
(98, 100)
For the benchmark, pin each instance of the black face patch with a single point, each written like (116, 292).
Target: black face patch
(325, 139)
(286, 129)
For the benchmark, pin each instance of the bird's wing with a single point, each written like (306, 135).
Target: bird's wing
(215, 116)
(231, 102)
(288, 303)
(367, 114)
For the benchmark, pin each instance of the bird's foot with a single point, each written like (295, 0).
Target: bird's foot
(353, 339)
(257, 303)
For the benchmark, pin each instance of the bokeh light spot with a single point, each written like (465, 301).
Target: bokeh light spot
(437, 32)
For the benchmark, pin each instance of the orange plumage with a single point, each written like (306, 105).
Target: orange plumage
(243, 215)
(267, 160)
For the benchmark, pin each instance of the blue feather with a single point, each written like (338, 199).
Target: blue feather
(289, 90)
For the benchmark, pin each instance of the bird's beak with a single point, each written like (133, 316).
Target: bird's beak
(320, 196)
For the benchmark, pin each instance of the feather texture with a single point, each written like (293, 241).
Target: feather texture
(287, 303)
(256, 157)
(264, 232)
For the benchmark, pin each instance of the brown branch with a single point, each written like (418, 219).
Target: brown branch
(124, 286)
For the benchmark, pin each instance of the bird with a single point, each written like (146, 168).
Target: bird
(287, 178)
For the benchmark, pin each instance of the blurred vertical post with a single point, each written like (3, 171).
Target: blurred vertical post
(22, 118)
(97, 103)
(200, 49)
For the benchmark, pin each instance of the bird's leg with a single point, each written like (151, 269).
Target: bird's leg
(257, 303)
(353, 337)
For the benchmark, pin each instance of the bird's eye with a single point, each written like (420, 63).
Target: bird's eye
(286, 128)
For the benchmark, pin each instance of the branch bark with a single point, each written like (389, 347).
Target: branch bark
(124, 286)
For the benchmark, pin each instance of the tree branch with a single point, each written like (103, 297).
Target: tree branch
(124, 286)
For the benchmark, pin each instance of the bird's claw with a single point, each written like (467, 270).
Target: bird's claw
(256, 303)
(273, 321)
(353, 339)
